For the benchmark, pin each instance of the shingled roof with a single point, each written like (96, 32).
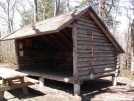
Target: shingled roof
(55, 24)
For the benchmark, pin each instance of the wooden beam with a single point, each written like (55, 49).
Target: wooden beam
(70, 25)
(66, 39)
(98, 75)
(66, 33)
(25, 84)
(59, 41)
(89, 28)
(51, 43)
(63, 42)
(102, 28)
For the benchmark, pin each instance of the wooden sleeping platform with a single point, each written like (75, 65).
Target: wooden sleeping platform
(54, 74)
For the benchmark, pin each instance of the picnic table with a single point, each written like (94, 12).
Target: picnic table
(12, 79)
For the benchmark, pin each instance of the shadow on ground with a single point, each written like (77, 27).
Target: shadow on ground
(18, 93)
(89, 89)
(92, 88)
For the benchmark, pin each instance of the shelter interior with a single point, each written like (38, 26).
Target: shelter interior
(48, 54)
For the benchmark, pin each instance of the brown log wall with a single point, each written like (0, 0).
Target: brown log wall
(104, 51)
(37, 56)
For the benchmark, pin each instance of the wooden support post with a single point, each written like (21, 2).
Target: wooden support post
(41, 82)
(114, 80)
(24, 88)
(76, 89)
(117, 62)
(1, 95)
(75, 57)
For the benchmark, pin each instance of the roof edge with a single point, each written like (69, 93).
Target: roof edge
(113, 38)
(48, 32)
(74, 18)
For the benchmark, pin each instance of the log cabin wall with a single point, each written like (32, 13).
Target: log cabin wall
(32, 56)
(103, 50)
(38, 52)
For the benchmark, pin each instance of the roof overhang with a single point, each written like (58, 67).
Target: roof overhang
(57, 23)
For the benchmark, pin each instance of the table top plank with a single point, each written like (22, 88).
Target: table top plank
(9, 74)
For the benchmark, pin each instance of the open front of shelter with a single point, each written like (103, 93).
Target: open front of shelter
(72, 48)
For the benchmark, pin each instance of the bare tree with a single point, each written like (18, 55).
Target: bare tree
(102, 12)
(56, 10)
(8, 10)
(67, 6)
(35, 11)
(132, 47)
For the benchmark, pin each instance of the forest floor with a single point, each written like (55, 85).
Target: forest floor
(95, 90)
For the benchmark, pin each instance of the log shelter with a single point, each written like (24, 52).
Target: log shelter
(73, 47)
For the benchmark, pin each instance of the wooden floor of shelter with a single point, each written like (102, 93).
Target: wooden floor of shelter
(58, 74)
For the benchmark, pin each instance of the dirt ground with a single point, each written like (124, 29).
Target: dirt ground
(96, 90)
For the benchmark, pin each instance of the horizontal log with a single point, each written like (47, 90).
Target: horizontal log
(85, 32)
(72, 80)
(49, 76)
(82, 64)
(103, 70)
(94, 67)
(96, 59)
(86, 16)
(87, 77)
(89, 55)
(105, 65)
(87, 24)
(89, 39)
(88, 28)
(84, 72)
(84, 68)
(94, 37)
(96, 70)
(95, 51)
(95, 43)
(88, 51)
(86, 20)
(95, 47)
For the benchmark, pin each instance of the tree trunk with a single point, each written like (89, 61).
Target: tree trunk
(35, 11)
(132, 48)
(56, 10)
(8, 16)
(67, 6)
(102, 12)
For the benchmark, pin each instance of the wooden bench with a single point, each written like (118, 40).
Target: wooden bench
(11, 80)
